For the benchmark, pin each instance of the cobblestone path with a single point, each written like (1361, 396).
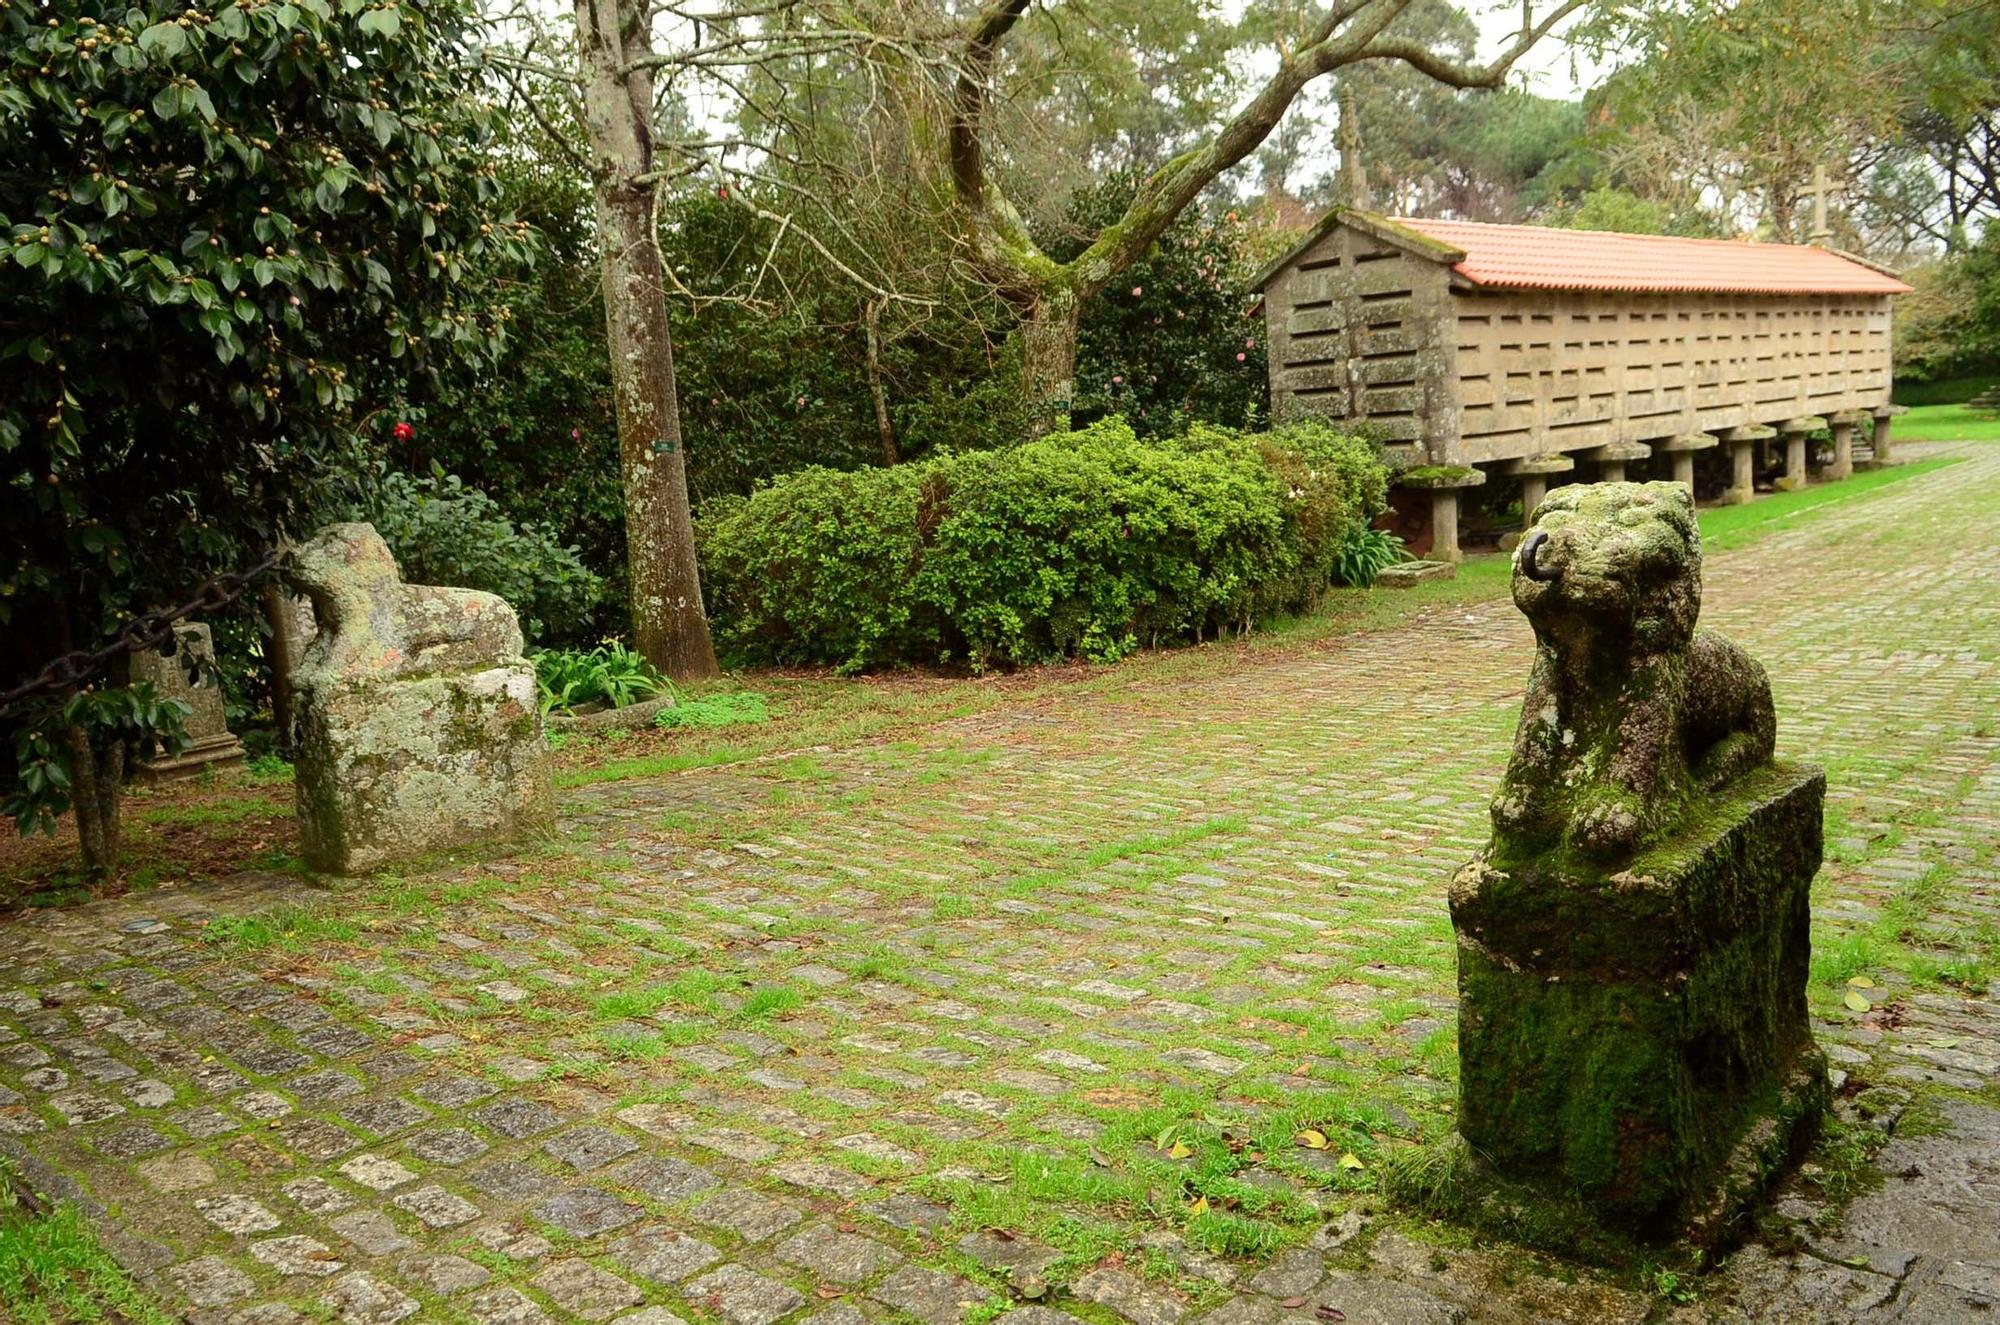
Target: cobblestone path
(1105, 1008)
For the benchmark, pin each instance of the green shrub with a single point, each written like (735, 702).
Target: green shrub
(610, 674)
(444, 532)
(1087, 544)
(1364, 554)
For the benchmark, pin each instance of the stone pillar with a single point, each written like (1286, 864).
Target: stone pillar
(1611, 471)
(1742, 472)
(1843, 447)
(1684, 469)
(1444, 525)
(210, 743)
(1880, 441)
(1534, 487)
(1794, 432)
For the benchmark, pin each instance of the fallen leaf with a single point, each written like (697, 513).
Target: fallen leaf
(1292, 1303)
(1861, 982)
(1303, 1070)
(1312, 1139)
(1097, 1158)
(1179, 1151)
(1350, 1160)
(1330, 1313)
(1200, 1206)
(1856, 1002)
(1005, 1235)
(828, 1291)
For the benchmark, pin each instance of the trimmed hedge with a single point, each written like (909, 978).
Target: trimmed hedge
(1088, 543)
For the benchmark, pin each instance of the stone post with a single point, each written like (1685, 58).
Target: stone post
(1534, 487)
(1743, 442)
(1682, 449)
(1534, 471)
(1633, 942)
(1842, 427)
(1794, 432)
(1442, 482)
(210, 742)
(1879, 444)
(1612, 458)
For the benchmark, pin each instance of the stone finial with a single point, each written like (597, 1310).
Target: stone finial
(418, 726)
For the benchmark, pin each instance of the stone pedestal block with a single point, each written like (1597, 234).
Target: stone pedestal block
(418, 728)
(189, 676)
(1638, 1039)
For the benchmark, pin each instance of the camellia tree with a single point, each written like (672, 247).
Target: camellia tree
(231, 227)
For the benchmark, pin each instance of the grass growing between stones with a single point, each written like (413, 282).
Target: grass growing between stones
(53, 1271)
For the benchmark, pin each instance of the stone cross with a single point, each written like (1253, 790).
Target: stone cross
(1351, 184)
(1821, 187)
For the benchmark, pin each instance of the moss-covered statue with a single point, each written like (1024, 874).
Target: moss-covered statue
(418, 723)
(1630, 710)
(1634, 1055)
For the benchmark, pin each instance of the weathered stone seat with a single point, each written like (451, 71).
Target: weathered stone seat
(418, 724)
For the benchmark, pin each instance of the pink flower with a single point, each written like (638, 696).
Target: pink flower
(1241, 356)
(1138, 290)
(1116, 381)
(1250, 342)
(576, 434)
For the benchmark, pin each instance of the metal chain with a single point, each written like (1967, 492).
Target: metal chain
(148, 630)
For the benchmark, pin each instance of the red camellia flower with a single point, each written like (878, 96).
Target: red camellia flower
(403, 432)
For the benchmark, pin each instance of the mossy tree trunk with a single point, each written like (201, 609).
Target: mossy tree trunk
(97, 786)
(1051, 295)
(669, 623)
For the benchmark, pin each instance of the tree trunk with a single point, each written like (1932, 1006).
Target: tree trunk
(1048, 358)
(97, 781)
(282, 617)
(885, 431)
(669, 624)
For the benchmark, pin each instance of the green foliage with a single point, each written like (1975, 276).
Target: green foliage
(1949, 325)
(444, 532)
(730, 709)
(1172, 341)
(1610, 208)
(53, 1271)
(225, 226)
(42, 784)
(610, 675)
(1363, 554)
(1083, 544)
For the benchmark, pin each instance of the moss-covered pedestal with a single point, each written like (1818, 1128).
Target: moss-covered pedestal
(1634, 1044)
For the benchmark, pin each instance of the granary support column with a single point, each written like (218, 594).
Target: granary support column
(1534, 471)
(1879, 444)
(1444, 483)
(1794, 431)
(1612, 458)
(1682, 449)
(1842, 427)
(1743, 444)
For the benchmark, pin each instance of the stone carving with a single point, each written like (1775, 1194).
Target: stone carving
(1635, 1057)
(1630, 710)
(188, 675)
(418, 727)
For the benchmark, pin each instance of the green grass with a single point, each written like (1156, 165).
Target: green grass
(1948, 423)
(54, 1272)
(1726, 527)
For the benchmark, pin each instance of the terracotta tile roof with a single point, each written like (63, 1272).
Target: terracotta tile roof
(1540, 258)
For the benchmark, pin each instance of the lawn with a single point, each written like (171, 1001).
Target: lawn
(1948, 423)
(53, 1272)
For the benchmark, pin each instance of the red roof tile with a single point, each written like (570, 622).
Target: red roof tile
(1541, 258)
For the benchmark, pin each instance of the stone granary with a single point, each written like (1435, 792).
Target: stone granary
(1475, 349)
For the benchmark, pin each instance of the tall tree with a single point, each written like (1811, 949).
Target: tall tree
(1308, 41)
(669, 625)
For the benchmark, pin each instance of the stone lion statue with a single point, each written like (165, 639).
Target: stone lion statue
(1630, 710)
